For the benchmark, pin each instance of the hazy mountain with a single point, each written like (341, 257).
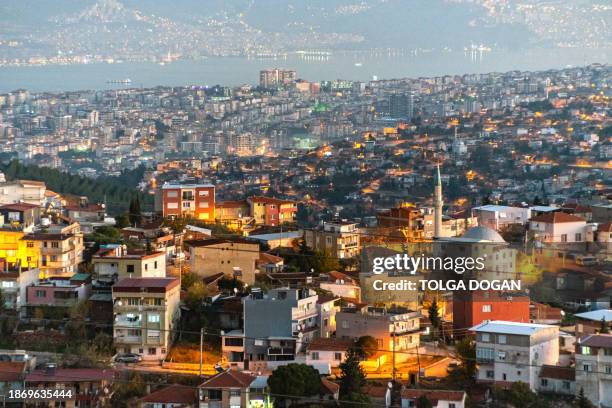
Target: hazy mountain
(229, 27)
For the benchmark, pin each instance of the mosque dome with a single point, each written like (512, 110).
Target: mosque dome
(481, 233)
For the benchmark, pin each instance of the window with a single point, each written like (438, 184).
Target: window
(485, 337)
(345, 324)
(578, 237)
(153, 318)
(155, 264)
(607, 352)
(30, 244)
(186, 204)
(129, 268)
(172, 194)
(486, 308)
(490, 374)
(451, 405)
(133, 301)
(586, 367)
(566, 385)
(203, 204)
(314, 355)
(54, 244)
(501, 355)
(235, 393)
(172, 206)
(187, 195)
(338, 356)
(153, 333)
(152, 351)
(41, 293)
(501, 339)
(608, 369)
(203, 193)
(544, 382)
(586, 350)
(484, 353)
(504, 377)
(563, 237)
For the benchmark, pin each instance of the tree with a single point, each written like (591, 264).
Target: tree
(2, 301)
(352, 378)
(293, 381)
(423, 402)
(466, 349)
(582, 401)
(122, 221)
(196, 294)
(434, 316)
(604, 326)
(520, 395)
(134, 211)
(366, 346)
(133, 386)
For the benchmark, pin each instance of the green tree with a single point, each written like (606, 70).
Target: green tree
(520, 395)
(582, 401)
(132, 386)
(135, 211)
(188, 279)
(434, 316)
(196, 294)
(366, 346)
(605, 329)
(122, 221)
(352, 378)
(293, 381)
(2, 301)
(423, 402)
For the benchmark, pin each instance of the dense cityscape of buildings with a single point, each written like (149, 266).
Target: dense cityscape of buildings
(246, 245)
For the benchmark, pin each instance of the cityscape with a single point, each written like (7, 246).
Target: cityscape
(429, 241)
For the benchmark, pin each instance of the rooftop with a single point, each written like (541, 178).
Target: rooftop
(505, 327)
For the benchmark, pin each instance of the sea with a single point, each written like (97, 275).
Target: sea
(311, 66)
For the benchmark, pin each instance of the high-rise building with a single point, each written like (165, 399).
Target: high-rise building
(401, 106)
(195, 200)
(272, 78)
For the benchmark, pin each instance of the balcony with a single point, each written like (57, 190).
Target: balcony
(125, 339)
(120, 323)
(280, 351)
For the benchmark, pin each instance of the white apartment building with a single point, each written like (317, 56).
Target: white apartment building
(594, 368)
(508, 352)
(145, 311)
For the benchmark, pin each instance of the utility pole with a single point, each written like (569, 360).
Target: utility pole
(201, 346)
(393, 351)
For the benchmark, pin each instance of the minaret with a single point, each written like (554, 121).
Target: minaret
(438, 203)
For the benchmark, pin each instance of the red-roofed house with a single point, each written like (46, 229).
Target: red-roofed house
(560, 227)
(272, 211)
(90, 387)
(12, 374)
(172, 396)
(227, 389)
(438, 398)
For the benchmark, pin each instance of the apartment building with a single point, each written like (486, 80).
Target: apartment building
(341, 285)
(561, 228)
(277, 326)
(57, 292)
(60, 253)
(234, 257)
(194, 200)
(272, 211)
(500, 216)
(508, 352)
(14, 281)
(388, 326)
(114, 262)
(20, 216)
(594, 368)
(145, 310)
(228, 389)
(22, 191)
(338, 239)
(472, 307)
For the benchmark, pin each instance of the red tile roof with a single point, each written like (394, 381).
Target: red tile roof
(607, 227)
(323, 344)
(597, 340)
(155, 284)
(173, 394)
(229, 379)
(19, 206)
(557, 218)
(71, 375)
(559, 373)
(11, 371)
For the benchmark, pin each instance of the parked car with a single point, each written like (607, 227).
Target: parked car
(128, 358)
